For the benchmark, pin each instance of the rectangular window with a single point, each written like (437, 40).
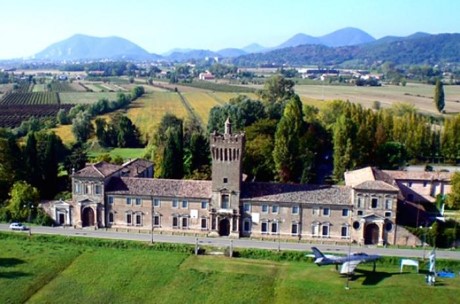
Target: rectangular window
(128, 219)
(175, 203)
(275, 209)
(156, 220)
(138, 201)
(359, 202)
(110, 199)
(264, 208)
(111, 218)
(138, 220)
(204, 205)
(388, 203)
(175, 222)
(388, 214)
(374, 203)
(360, 212)
(204, 223)
(325, 230)
(156, 203)
(315, 230)
(295, 229)
(264, 227)
(184, 222)
(225, 180)
(345, 212)
(85, 189)
(274, 227)
(225, 204)
(315, 211)
(344, 231)
(326, 211)
(128, 201)
(247, 207)
(184, 204)
(77, 188)
(295, 209)
(247, 226)
(97, 189)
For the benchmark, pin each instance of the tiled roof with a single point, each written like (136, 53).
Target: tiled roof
(104, 169)
(355, 177)
(375, 186)
(295, 193)
(100, 169)
(160, 187)
(134, 167)
(419, 175)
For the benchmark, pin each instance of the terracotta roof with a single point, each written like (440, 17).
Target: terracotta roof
(159, 187)
(100, 169)
(376, 185)
(356, 177)
(104, 169)
(134, 167)
(296, 193)
(418, 175)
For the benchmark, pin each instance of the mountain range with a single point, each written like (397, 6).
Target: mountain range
(339, 47)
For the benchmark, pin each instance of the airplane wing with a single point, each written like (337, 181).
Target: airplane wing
(349, 266)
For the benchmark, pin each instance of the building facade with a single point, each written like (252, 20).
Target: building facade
(364, 210)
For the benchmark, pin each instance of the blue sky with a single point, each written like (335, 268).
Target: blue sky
(28, 26)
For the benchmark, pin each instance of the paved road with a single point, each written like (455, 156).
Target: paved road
(239, 243)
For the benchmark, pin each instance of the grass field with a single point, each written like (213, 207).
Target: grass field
(147, 111)
(125, 153)
(34, 271)
(85, 97)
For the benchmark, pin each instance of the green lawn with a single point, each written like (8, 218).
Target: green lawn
(125, 153)
(35, 271)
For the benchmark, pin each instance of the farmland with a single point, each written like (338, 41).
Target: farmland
(37, 98)
(147, 111)
(85, 97)
(419, 95)
(40, 270)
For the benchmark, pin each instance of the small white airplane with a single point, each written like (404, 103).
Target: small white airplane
(348, 262)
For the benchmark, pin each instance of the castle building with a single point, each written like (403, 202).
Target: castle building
(364, 210)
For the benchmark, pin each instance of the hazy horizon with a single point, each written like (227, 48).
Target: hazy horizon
(158, 27)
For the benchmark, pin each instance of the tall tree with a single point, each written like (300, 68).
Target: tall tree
(439, 96)
(31, 160)
(287, 152)
(277, 89)
(453, 199)
(82, 127)
(343, 148)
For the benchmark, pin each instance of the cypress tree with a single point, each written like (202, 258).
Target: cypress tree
(439, 96)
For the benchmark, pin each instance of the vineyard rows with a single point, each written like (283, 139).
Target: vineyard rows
(12, 115)
(35, 98)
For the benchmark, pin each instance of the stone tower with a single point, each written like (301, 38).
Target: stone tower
(227, 155)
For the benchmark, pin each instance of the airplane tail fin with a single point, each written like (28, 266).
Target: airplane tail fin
(318, 254)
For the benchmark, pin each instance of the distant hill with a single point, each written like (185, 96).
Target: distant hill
(254, 48)
(419, 48)
(80, 47)
(231, 52)
(343, 37)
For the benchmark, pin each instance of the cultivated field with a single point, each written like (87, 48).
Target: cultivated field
(419, 95)
(85, 97)
(35, 271)
(147, 111)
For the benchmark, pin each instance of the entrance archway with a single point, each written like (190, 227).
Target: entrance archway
(224, 227)
(87, 217)
(371, 234)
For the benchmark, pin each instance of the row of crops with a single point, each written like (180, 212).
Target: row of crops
(12, 116)
(35, 98)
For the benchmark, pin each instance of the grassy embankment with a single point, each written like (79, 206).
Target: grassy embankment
(65, 270)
